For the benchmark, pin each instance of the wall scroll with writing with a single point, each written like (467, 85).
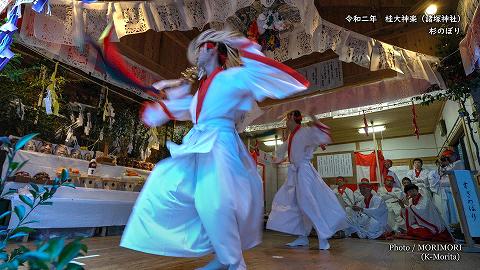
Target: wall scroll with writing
(335, 165)
(324, 75)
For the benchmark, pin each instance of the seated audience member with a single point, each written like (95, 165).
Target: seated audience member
(368, 219)
(344, 193)
(391, 195)
(388, 164)
(419, 176)
(422, 219)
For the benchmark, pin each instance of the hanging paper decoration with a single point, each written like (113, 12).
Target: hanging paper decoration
(4, 4)
(69, 135)
(39, 6)
(6, 35)
(365, 123)
(20, 108)
(414, 120)
(116, 146)
(111, 62)
(47, 102)
(80, 116)
(52, 95)
(88, 126)
(153, 142)
(130, 147)
(108, 112)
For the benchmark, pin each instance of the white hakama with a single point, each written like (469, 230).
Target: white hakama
(442, 193)
(372, 222)
(208, 196)
(424, 221)
(305, 200)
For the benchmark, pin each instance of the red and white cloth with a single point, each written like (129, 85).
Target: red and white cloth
(366, 166)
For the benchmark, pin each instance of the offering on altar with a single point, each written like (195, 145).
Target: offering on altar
(22, 177)
(41, 178)
(92, 166)
(108, 160)
(72, 171)
(129, 172)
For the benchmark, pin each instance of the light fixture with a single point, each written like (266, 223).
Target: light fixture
(431, 9)
(272, 143)
(372, 129)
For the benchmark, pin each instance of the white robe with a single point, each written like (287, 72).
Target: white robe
(347, 198)
(396, 182)
(421, 181)
(305, 199)
(424, 214)
(395, 219)
(359, 196)
(372, 222)
(208, 196)
(442, 192)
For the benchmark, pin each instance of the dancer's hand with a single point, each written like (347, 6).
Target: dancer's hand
(238, 42)
(276, 161)
(401, 203)
(357, 208)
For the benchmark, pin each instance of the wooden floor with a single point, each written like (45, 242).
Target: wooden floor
(348, 253)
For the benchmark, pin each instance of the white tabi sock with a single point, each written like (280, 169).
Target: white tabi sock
(299, 242)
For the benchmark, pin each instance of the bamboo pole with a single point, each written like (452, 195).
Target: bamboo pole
(375, 146)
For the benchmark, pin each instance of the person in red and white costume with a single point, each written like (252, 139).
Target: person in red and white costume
(207, 197)
(305, 200)
(420, 177)
(388, 163)
(344, 193)
(369, 218)
(422, 219)
(391, 195)
(440, 186)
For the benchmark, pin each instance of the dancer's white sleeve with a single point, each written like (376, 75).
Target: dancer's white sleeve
(318, 134)
(267, 78)
(176, 107)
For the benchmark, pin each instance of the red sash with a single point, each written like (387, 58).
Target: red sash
(202, 91)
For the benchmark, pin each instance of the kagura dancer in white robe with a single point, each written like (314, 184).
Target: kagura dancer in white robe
(344, 193)
(369, 218)
(305, 200)
(441, 189)
(422, 218)
(391, 195)
(208, 196)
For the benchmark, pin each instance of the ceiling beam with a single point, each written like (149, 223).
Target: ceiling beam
(143, 60)
(178, 37)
